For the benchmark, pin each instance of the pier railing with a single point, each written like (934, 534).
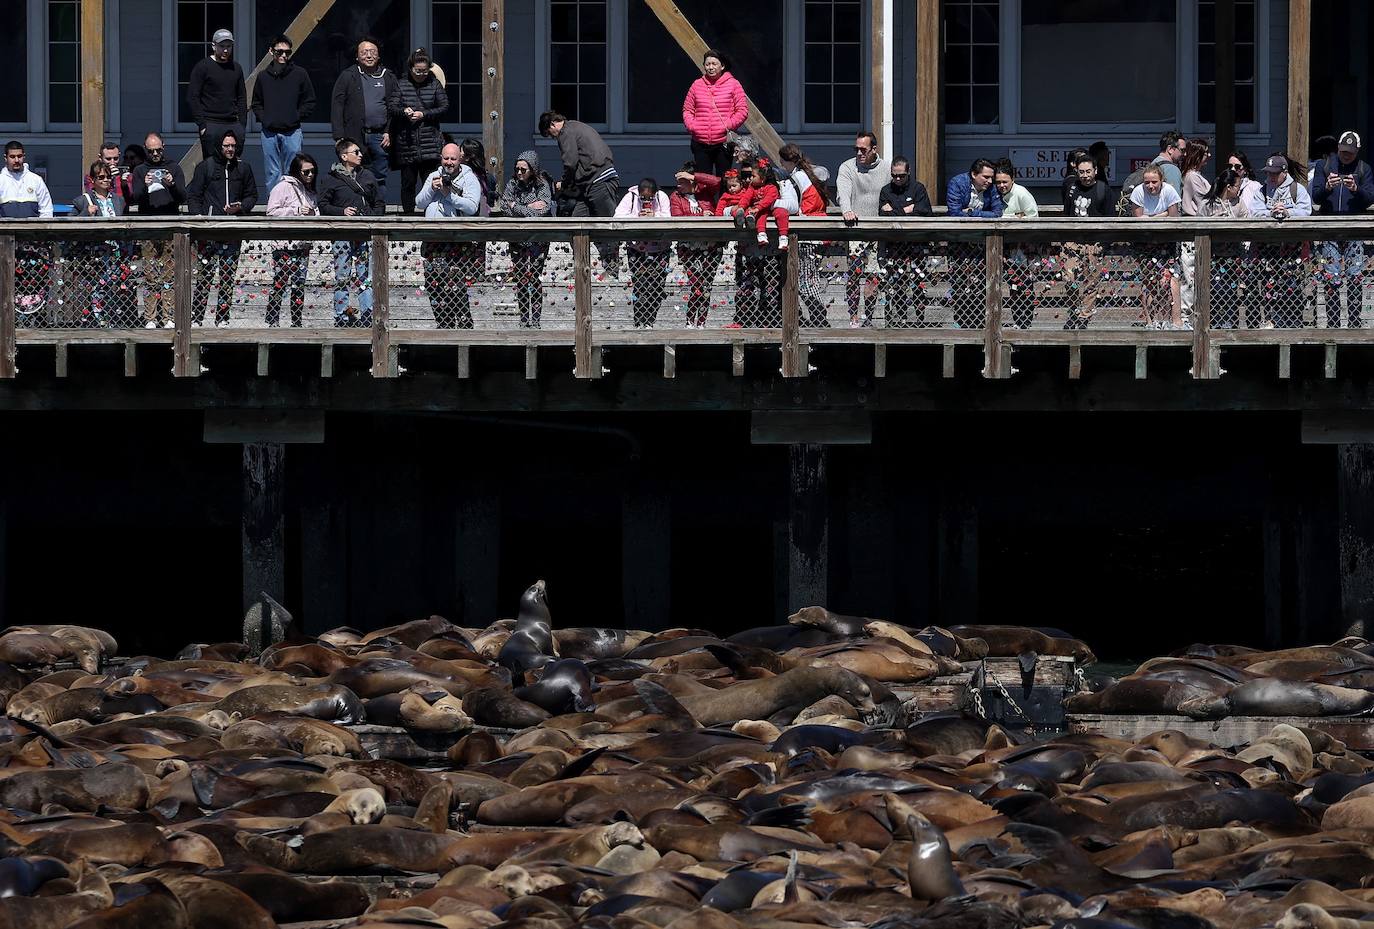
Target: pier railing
(386, 283)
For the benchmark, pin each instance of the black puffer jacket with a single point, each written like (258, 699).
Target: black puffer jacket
(423, 140)
(340, 190)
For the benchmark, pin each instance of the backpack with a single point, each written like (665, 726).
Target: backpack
(1134, 180)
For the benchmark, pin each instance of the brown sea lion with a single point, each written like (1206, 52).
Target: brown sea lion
(364, 848)
(1311, 916)
(122, 786)
(1273, 697)
(291, 900)
(1011, 641)
(797, 688)
(321, 701)
(91, 894)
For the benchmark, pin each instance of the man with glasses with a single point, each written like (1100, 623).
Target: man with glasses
(358, 108)
(903, 263)
(216, 95)
(221, 186)
(159, 189)
(283, 97)
(1171, 149)
(121, 175)
(860, 184)
(349, 189)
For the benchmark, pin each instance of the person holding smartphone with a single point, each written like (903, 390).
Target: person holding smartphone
(1343, 186)
(221, 186)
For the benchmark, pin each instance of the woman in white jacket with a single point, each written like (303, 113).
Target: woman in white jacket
(294, 195)
(649, 259)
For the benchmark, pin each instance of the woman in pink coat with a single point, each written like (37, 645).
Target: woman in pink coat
(715, 105)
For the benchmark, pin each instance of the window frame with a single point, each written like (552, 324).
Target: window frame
(1010, 124)
(171, 86)
(617, 71)
(36, 83)
(424, 10)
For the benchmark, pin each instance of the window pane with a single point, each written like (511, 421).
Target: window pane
(660, 72)
(1245, 104)
(847, 100)
(817, 109)
(1244, 61)
(64, 103)
(563, 22)
(591, 22)
(958, 30)
(63, 21)
(959, 65)
(817, 65)
(63, 67)
(592, 64)
(985, 105)
(592, 100)
(1130, 49)
(817, 22)
(457, 34)
(972, 67)
(329, 48)
(563, 64)
(14, 51)
(958, 106)
(848, 22)
(470, 102)
(848, 64)
(985, 64)
(64, 61)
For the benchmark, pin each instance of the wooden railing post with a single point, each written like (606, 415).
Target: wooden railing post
(793, 364)
(1205, 366)
(582, 305)
(181, 305)
(7, 273)
(992, 340)
(380, 257)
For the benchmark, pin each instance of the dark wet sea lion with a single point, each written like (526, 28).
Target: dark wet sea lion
(821, 618)
(589, 643)
(530, 644)
(122, 786)
(564, 686)
(139, 905)
(290, 900)
(364, 848)
(759, 699)
(930, 870)
(489, 706)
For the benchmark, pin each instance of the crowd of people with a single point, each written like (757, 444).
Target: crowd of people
(387, 125)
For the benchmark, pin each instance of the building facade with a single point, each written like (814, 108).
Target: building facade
(1026, 79)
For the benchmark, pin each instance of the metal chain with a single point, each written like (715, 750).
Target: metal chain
(1080, 681)
(1015, 707)
(978, 707)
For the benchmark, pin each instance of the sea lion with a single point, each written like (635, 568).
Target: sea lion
(320, 701)
(490, 706)
(122, 786)
(564, 686)
(363, 806)
(1273, 697)
(1011, 641)
(530, 644)
(364, 848)
(1311, 916)
(147, 903)
(821, 618)
(930, 870)
(291, 900)
(797, 688)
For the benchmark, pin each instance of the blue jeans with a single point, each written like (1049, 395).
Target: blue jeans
(377, 160)
(1342, 269)
(352, 269)
(278, 148)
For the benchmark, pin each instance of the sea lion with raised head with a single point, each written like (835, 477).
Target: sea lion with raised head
(930, 869)
(530, 644)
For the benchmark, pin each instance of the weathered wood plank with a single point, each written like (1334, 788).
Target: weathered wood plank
(1202, 310)
(381, 307)
(582, 300)
(1329, 367)
(737, 358)
(7, 311)
(92, 78)
(947, 361)
(130, 358)
(928, 87)
(1285, 361)
(669, 361)
(793, 365)
(531, 362)
(1299, 75)
(992, 297)
(1075, 361)
(181, 306)
(880, 360)
(1141, 362)
(494, 85)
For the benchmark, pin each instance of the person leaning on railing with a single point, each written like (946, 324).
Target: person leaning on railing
(159, 189)
(222, 186)
(452, 191)
(970, 195)
(699, 259)
(859, 183)
(1154, 199)
(648, 259)
(24, 195)
(528, 195)
(1282, 266)
(349, 189)
(1195, 187)
(903, 263)
(1343, 186)
(1230, 286)
(111, 296)
(294, 195)
(1018, 203)
(1088, 196)
(806, 182)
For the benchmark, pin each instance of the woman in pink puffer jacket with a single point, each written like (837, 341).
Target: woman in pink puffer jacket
(715, 105)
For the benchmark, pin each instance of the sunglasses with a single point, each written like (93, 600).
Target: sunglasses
(522, 170)
(153, 151)
(307, 171)
(861, 150)
(279, 52)
(899, 177)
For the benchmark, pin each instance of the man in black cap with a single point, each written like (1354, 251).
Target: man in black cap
(1343, 186)
(216, 95)
(1280, 264)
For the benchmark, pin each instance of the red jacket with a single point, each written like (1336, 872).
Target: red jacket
(708, 188)
(765, 198)
(712, 108)
(742, 199)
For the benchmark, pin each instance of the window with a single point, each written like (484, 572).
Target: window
(1207, 62)
(64, 61)
(1098, 61)
(330, 47)
(660, 71)
(457, 29)
(577, 59)
(14, 46)
(832, 62)
(197, 21)
(972, 66)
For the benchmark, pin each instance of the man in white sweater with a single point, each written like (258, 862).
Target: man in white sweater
(861, 180)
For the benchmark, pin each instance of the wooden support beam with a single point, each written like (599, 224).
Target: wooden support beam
(582, 306)
(880, 360)
(92, 80)
(947, 360)
(992, 300)
(1203, 364)
(928, 98)
(263, 523)
(60, 359)
(381, 307)
(1299, 77)
(1225, 49)
(327, 360)
(691, 42)
(876, 75)
(1330, 365)
(1075, 361)
(670, 361)
(531, 362)
(465, 361)
(494, 85)
(793, 363)
(263, 353)
(181, 307)
(808, 535)
(8, 367)
(131, 359)
(1355, 482)
(1141, 363)
(737, 359)
(1285, 361)
(300, 29)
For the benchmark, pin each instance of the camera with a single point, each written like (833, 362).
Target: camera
(446, 177)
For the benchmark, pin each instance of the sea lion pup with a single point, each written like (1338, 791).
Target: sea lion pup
(760, 699)
(821, 618)
(1311, 916)
(320, 701)
(121, 786)
(416, 632)
(564, 686)
(530, 644)
(1011, 641)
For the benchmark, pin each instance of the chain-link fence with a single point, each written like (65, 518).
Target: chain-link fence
(89, 283)
(294, 283)
(1290, 285)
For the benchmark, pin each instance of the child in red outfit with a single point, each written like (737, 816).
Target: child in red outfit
(736, 198)
(765, 201)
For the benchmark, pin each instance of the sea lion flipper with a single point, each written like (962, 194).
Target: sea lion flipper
(658, 700)
(432, 812)
(580, 764)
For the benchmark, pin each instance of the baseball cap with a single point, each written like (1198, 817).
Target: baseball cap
(221, 36)
(1350, 140)
(1276, 164)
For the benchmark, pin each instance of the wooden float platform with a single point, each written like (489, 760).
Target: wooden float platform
(1357, 732)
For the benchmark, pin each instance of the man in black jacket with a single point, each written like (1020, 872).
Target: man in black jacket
(216, 95)
(349, 189)
(1088, 195)
(283, 98)
(159, 189)
(903, 263)
(221, 186)
(358, 108)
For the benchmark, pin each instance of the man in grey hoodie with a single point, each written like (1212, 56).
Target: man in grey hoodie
(860, 185)
(528, 195)
(451, 192)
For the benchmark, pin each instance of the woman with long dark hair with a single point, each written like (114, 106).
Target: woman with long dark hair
(715, 106)
(294, 195)
(475, 157)
(416, 108)
(805, 183)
